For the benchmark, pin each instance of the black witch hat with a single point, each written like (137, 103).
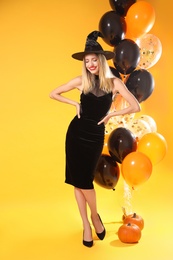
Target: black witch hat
(92, 46)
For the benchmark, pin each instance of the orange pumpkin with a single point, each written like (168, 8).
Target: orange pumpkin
(129, 233)
(134, 219)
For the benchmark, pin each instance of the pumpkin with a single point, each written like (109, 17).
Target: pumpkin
(135, 219)
(129, 233)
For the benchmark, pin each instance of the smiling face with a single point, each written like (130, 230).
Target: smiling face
(92, 63)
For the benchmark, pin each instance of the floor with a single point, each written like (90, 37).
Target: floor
(51, 229)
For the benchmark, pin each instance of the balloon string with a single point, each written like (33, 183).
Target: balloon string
(127, 199)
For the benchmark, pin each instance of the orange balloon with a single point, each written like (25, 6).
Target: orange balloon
(140, 19)
(136, 169)
(154, 146)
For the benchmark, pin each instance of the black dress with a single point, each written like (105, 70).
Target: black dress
(85, 139)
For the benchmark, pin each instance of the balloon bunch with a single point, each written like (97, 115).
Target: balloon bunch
(133, 143)
(126, 28)
(133, 56)
(123, 152)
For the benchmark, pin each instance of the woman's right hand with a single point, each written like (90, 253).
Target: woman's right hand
(78, 108)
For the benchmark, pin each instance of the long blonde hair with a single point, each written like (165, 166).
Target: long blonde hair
(105, 76)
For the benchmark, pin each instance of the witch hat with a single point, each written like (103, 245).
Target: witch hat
(92, 46)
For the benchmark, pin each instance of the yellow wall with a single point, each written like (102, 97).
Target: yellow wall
(37, 39)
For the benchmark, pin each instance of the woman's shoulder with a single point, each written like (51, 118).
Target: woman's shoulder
(77, 82)
(117, 83)
(116, 80)
(77, 79)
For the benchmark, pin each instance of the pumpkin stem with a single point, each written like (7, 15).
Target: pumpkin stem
(134, 215)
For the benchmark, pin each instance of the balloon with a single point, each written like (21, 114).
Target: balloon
(121, 6)
(136, 169)
(140, 19)
(119, 103)
(107, 172)
(127, 56)
(115, 72)
(139, 128)
(150, 121)
(141, 84)
(150, 50)
(111, 125)
(154, 146)
(113, 28)
(120, 143)
(118, 121)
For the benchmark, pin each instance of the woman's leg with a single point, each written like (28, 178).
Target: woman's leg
(82, 205)
(90, 198)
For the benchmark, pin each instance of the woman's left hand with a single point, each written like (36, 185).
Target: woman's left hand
(104, 120)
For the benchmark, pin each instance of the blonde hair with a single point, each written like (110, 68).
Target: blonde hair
(105, 76)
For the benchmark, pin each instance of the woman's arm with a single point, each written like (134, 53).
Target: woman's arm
(133, 107)
(72, 84)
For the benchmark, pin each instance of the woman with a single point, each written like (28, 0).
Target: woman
(85, 135)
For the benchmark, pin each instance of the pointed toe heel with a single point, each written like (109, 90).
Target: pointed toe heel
(88, 243)
(103, 233)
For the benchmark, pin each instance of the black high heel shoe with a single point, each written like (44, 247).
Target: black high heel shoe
(87, 243)
(103, 233)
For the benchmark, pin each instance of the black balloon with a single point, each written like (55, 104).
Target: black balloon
(127, 56)
(107, 172)
(115, 72)
(121, 6)
(141, 84)
(121, 142)
(113, 28)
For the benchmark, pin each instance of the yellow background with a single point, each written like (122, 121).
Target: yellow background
(38, 214)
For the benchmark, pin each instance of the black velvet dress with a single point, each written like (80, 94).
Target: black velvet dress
(85, 139)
